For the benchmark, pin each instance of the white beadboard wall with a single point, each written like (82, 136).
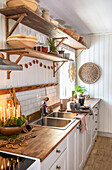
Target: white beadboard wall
(100, 53)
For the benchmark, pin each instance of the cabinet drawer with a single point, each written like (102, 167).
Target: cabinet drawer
(54, 155)
(61, 163)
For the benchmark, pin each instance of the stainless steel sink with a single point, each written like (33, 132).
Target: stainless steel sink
(62, 115)
(53, 122)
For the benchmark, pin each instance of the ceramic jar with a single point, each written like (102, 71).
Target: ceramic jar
(45, 14)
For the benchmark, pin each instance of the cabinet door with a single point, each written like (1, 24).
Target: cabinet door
(72, 150)
(61, 163)
(81, 151)
(89, 120)
(95, 123)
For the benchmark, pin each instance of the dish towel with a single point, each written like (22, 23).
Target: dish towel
(83, 122)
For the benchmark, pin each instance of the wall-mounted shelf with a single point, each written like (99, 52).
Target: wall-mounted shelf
(26, 88)
(35, 54)
(33, 20)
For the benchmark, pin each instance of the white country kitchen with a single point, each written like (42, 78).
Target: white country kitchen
(55, 85)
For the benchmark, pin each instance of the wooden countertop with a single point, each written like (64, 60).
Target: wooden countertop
(92, 102)
(44, 143)
(46, 140)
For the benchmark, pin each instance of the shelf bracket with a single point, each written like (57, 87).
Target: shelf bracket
(16, 62)
(79, 53)
(54, 71)
(20, 18)
(63, 38)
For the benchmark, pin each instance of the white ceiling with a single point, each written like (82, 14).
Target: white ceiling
(85, 16)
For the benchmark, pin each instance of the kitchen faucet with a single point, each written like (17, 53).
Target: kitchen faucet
(43, 107)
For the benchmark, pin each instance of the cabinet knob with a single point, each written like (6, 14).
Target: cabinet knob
(96, 129)
(96, 115)
(58, 151)
(58, 167)
(96, 122)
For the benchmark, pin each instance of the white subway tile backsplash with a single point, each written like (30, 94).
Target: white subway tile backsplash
(30, 100)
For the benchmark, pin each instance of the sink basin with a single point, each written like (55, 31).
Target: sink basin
(62, 115)
(53, 122)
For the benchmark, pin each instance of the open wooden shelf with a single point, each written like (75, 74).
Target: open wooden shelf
(35, 54)
(26, 88)
(36, 22)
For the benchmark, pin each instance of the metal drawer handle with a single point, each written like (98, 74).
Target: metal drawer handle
(58, 151)
(96, 115)
(96, 122)
(58, 167)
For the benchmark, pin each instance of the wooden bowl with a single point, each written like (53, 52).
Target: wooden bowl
(32, 4)
(9, 131)
(61, 28)
(69, 31)
(76, 36)
(54, 22)
(21, 42)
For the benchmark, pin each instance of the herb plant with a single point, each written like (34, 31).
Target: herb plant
(53, 48)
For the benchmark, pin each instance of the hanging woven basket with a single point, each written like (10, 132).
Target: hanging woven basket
(89, 73)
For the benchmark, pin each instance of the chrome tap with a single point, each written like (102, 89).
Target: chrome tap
(43, 107)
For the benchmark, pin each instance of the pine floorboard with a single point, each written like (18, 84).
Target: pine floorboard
(100, 157)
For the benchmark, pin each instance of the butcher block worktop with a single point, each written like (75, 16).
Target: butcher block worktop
(92, 102)
(44, 143)
(46, 140)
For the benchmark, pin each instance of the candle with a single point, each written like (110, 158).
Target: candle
(2, 167)
(1, 113)
(4, 112)
(16, 113)
(18, 108)
(18, 162)
(8, 111)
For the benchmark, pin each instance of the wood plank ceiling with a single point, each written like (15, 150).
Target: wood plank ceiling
(85, 16)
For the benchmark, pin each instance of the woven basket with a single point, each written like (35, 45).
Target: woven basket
(89, 73)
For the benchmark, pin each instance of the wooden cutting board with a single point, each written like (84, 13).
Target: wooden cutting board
(79, 111)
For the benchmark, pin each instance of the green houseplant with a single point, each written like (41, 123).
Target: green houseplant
(53, 48)
(80, 89)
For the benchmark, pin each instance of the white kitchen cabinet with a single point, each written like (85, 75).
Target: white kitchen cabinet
(81, 151)
(54, 155)
(88, 143)
(95, 122)
(72, 150)
(61, 163)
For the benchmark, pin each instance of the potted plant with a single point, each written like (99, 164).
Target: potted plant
(80, 91)
(53, 48)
